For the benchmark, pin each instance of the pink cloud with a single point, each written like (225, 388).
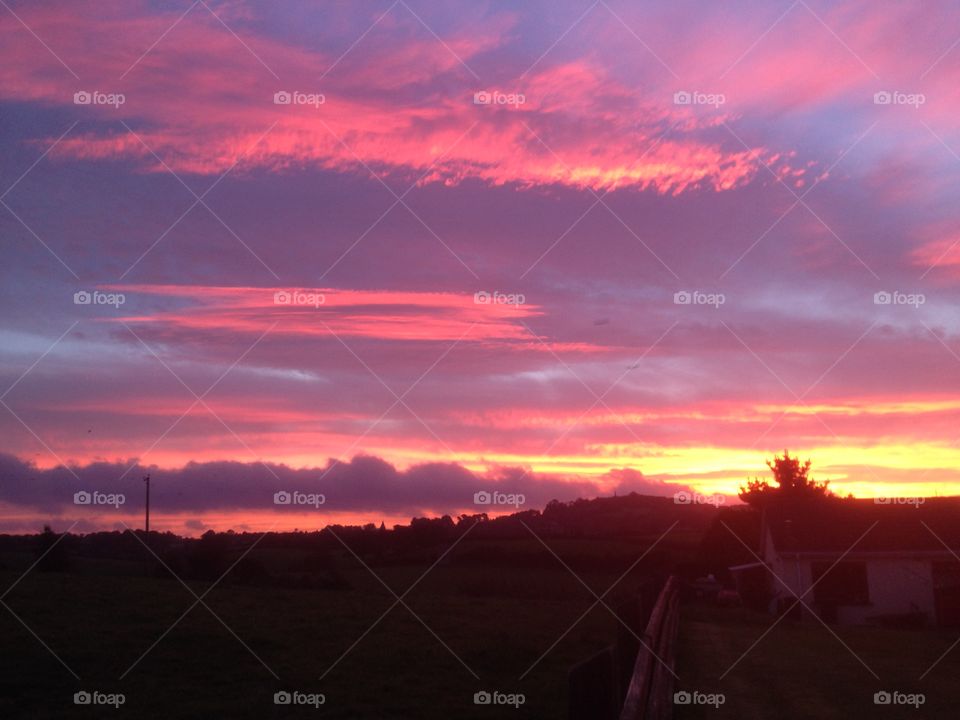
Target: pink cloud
(939, 256)
(203, 103)
(497, 319)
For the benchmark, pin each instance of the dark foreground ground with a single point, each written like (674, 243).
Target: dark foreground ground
(497, 608)
(805, 670)
(467, 630)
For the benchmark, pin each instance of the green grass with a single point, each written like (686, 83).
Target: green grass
(800, 670)
(499, 621)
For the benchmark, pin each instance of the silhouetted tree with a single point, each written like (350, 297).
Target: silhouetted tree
(728, 541)
(52, 552)
(208, 555)
(431, 531)
(465, 520)
(793, 483)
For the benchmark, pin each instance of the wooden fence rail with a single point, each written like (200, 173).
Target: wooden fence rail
(650, 693)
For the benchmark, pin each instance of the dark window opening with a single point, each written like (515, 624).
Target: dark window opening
(842, 584)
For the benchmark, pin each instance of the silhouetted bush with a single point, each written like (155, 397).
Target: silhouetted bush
(52, 551)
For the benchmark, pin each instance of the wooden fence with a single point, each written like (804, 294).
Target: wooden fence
(650, 693)
(626, 681)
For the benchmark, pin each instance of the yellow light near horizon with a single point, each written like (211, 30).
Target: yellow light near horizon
(885, 468)
(849, 468)
(910, 407)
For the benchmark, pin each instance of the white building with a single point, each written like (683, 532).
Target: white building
(854, 562)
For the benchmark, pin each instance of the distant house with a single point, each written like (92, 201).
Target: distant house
(856, 562)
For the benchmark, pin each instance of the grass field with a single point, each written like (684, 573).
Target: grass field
(492, 622)
(800, 670)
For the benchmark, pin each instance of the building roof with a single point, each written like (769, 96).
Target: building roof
(868, 528)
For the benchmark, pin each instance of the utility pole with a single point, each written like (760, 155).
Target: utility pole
(147, 523)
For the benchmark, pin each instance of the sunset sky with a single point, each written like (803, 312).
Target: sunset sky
(398, 253)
